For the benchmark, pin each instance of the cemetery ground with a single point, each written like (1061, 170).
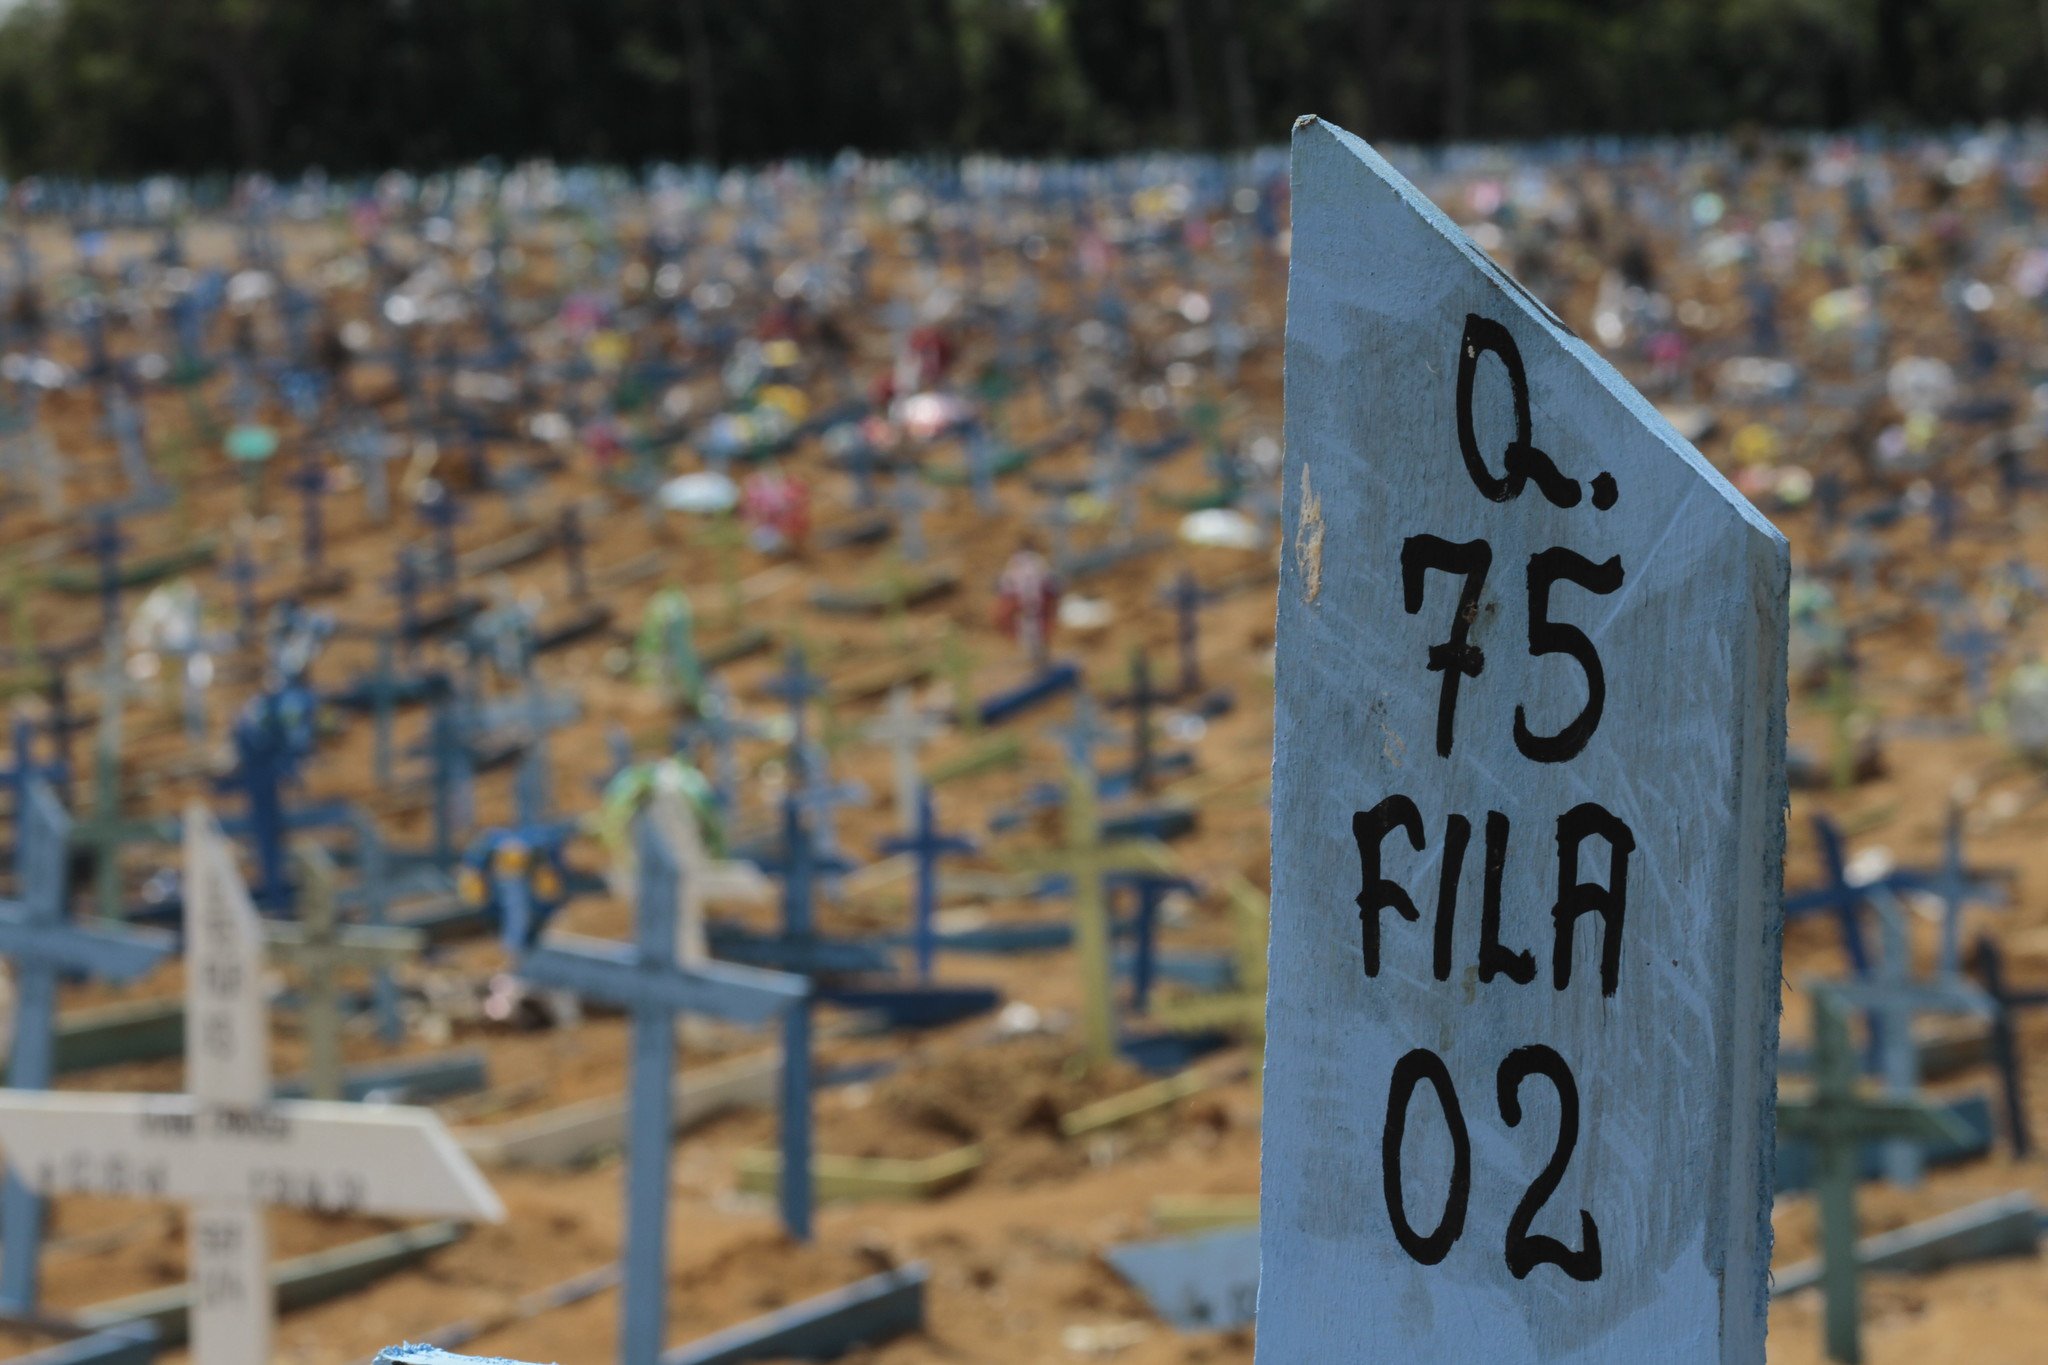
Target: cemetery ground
(1015, 1239)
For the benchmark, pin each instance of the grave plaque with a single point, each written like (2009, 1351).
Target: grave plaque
(1527, 826)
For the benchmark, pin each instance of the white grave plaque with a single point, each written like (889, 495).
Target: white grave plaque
(1527, 828)
(225, 1146)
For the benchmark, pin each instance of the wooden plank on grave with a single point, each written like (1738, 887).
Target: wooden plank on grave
(521, 547)
(848, 1177)
(300, 1282)
(880, 678)
(126, 1031)
(875, 599)
(2006, 1225)
(134, 1344)
(1146, 1099)
(1003, 751)
(134, 572)
(578, 1133)
(1203, 1212)
(877, 1309)
(1466, 483)
(1204, 1283)
(733, 647)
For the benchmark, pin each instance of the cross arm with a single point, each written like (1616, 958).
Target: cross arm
(602, 970)
(1822, 1118)
(356, 946)
(334, 1157)
(110, 954)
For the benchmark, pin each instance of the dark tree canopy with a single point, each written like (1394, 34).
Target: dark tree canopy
(117, 87)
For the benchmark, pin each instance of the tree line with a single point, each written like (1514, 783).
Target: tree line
(121, 87)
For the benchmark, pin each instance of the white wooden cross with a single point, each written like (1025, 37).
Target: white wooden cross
(1528, 816)
(225, 1146)
(905, 730)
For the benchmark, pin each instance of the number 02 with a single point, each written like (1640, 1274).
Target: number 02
(1524, 1250)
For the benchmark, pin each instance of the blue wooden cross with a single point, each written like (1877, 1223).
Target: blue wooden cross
(1151, 887)
(910, 500)
(927, 844)
(1082, 735)
(654, 987)
(1142, 699)
(1186, 597)
(797, 685)
(801, 863)
(1989, 963)
(26, 771)
(438, 509)
(105, 545)
(405, 587)
(241, 573)
(38, 935)
(1957, 889)
(719, 726)
(1974, 647)
(573, 542)
(310, 479)
(1838, 896)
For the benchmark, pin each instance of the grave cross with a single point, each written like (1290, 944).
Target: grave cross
(405, 587)
(1186, 597)
(1838, 1120)
(439, 510)
(1081, 736)
(105, 545)
(39, 937)
(1894, 998)
(1088, 861)
(310, 479)
(1142, 699)
(1974, 647)
(321, 947)
(648, 981)
(1151, 888)
(927, 844)
(796, 685)
(573, 541)
(719, 726)
(911, 502)
(226, 1147)
(242, 573)
(2005, 1045)
(905, 730)
(1957, 889)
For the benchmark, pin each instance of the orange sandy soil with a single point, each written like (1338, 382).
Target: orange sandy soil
(1016, 1271)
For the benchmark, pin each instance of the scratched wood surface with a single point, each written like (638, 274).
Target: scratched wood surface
(1605, 956)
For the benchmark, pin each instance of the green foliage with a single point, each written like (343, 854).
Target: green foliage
(118, 87)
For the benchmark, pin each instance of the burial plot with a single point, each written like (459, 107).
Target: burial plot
(226, 1147)
(1511, 597)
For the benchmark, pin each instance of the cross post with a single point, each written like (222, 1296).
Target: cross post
(927, 844)
(647, 980)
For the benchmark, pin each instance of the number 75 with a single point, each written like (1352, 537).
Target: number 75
(1458, 658)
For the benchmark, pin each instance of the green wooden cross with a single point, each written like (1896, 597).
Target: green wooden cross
(321, 947)
(1842, 708)
(1838, 1118)
(725, 536)
(958, 666)
(1087, 861)
(105, 832)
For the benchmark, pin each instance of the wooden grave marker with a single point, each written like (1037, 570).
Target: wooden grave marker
(39, 937)
(226, 1147)
(654, 986)
(1517, 1104)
